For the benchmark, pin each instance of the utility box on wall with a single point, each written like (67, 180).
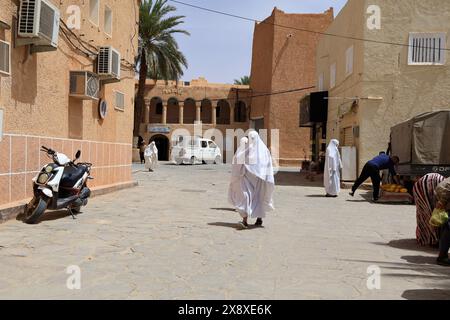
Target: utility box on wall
(349, 164)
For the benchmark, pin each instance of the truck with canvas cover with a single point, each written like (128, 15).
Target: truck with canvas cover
(423, 144)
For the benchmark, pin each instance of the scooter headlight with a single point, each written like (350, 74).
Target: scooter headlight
(43, 178)
(48, 169)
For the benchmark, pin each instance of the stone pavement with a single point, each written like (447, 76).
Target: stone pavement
(174, 237)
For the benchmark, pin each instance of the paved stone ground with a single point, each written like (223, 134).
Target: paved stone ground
(175, 237)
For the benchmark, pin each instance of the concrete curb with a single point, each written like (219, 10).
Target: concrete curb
(16, 208)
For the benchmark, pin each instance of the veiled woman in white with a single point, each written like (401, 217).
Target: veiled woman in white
(151, 156)
(331, 174)
(252, 181)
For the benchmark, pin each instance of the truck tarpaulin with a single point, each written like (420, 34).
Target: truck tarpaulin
(423, 140)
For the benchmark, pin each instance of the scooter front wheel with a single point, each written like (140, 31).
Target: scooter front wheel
(35, 211)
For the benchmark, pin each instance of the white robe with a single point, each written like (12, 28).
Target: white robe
(151, 156)
(331, 174)
(252, 181)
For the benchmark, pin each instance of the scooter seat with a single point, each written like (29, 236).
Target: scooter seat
(71, 175)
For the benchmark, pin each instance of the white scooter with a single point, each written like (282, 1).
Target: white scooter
(61, 184)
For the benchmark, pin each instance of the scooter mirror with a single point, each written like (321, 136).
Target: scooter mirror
(78, 155)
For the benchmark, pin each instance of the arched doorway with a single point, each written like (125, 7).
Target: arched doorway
(223, 112)
(206, 111)
(189, 111)
(240, 112)
(173, 111)
(156, 110)
(163, 145)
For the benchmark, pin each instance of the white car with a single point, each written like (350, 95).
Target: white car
(193, 150)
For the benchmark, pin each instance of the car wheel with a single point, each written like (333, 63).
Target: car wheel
(218, 160)
(193, 160)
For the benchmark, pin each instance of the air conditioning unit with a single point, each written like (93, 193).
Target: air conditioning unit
(84, 85)
(108, 64)
(38, 24)
(5, 58)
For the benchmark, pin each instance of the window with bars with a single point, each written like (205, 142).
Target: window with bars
(427, 48)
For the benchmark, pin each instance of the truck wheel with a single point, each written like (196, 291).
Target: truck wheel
(35, 211)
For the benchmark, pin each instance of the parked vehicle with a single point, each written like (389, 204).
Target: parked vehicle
(193, 150)
(61, 184)
(423, 144)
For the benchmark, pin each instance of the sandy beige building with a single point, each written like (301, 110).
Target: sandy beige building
(373, 86)
(51, 85)
(284, 59)
(173, 106)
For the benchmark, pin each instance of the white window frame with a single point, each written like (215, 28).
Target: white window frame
(95, 21)
(349, 61)
(116, 92)
(9, 60)
(107, 8)
(425, 36)
(321, 82)
(333, 75)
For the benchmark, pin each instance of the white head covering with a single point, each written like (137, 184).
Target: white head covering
(151, 150)
(333, 163)
(252, 182)
(259, 158)
(239, 157)
(333, 155)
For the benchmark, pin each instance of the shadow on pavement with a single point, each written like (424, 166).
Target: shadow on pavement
(50, 215)
(407, 244)
(224, 209)
(295, 178)
(234, 225)
(56, 215)
(426, 294)
(420, 260)
(367, 197)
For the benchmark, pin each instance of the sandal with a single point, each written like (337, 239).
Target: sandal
(259, 222)
(243, 225)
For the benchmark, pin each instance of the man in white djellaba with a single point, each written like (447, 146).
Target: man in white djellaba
(252, 180)
(331, 174)
(151, 156)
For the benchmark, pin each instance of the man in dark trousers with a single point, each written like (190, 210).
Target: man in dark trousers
(372, 170)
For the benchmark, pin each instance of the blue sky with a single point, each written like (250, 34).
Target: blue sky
(220, 47)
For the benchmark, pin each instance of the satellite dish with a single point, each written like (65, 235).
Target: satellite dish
(103, 109)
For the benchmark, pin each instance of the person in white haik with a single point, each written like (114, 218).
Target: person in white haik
(235, 194)
(252, 181)
(331, 174)
(151, 156)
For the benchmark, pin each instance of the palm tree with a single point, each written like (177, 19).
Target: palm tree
(159, 56)
(244, 81)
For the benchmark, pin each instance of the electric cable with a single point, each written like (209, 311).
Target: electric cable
(298, 29)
